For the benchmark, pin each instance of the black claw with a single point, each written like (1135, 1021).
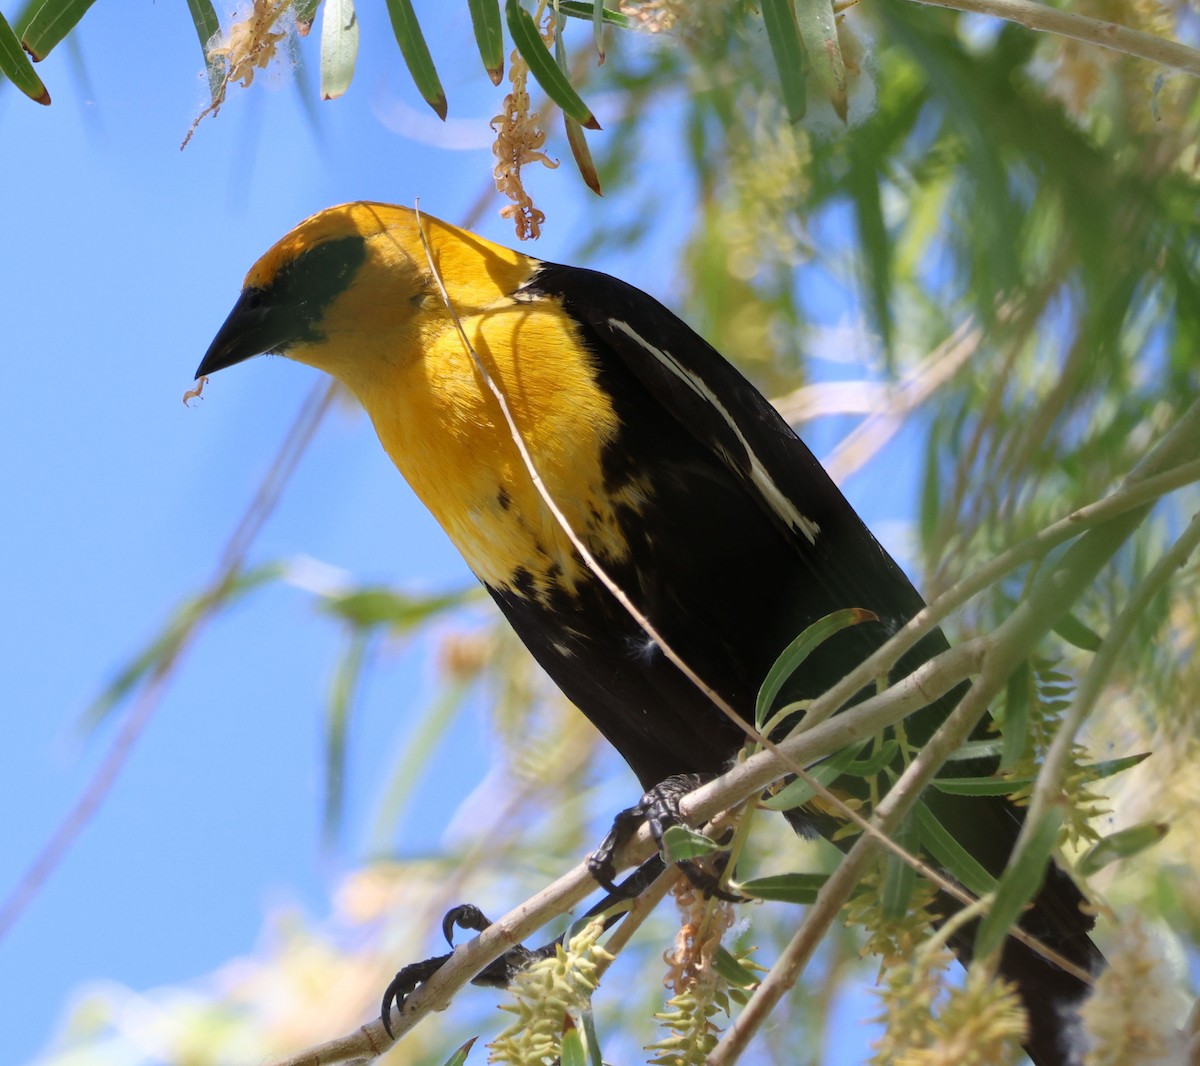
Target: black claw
(659, 809)
(464, 916)
(404, 984)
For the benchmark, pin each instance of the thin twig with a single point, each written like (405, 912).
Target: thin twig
(1110, 35)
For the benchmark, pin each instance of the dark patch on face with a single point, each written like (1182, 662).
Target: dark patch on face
(503, 499)
(303, 290)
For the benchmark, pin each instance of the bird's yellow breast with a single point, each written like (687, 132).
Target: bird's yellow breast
(446, 434)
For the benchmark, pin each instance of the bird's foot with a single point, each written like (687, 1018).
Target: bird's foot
(659, 809)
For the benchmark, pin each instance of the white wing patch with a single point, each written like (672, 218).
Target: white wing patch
(779, 503)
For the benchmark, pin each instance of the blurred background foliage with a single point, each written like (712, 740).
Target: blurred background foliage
(1011, 220)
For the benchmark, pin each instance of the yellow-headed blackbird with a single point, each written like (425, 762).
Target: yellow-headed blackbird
(682, 480)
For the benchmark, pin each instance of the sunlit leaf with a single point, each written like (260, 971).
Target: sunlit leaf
(542, 65)
(680, 843)
(783, 888)
(43, 24)
(339, 47)
(416, 54)
(208, 26)
(818, 30)
(1123, 844)
(489, 36)
(15, 65)
(784, 38)
(794, 655)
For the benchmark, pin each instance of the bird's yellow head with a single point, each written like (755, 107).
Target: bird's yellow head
(356, 275)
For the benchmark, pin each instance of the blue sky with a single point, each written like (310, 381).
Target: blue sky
(122, 256)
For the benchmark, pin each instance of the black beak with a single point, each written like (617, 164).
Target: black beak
(254, 326)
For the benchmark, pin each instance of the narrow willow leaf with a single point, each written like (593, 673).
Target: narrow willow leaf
(583, 156)
(586, 9)
(367, 607)
(1019, 883)
(950, 854)
(783, 888)
(542, 65)
(154, 656)
(1122, 844)
(980, 786)
(733, 970)
(1016, 715)
(784, 38)
(571, 1051)
(680, 842)
(460, 1056)
(818, 31)
(575, 134)
(489, 36)
(346, 677)
(305, 12)
(598, 27)
(339, 47)
(590, 1037)
(976, 749)
(884, 755)
(1111, 767)
(899, 878)
(42, 25)
(204, 18)
(799, 792)
(800, 649)
(416, 54)
(14, 64)
(1073, 631)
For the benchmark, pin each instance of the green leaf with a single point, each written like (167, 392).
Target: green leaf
(1019, 883)
(460, 1056)
(1123, 844)
(416, 54)
(575, 135)
(572, 1052)
(585, 9)
(885, 755)
(732, 969)
(339, 47)
(157, 654)
(980, 786)
(582, 154)
(368, 607)
(598, 27)
(204, 18)
(799, 792)
(818, 30)
(680, 842)
(950, 854)
(590, 1037)
(1112, 767)
(784, 38)
(14, 63)
(305, 12)
(489, 36)
(542, 65)
(1073, 631)
(976, 749)
(783, 888)
(42, 25)
(341, 698)
(801, 648)
(899, 878)
(1016, 715)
